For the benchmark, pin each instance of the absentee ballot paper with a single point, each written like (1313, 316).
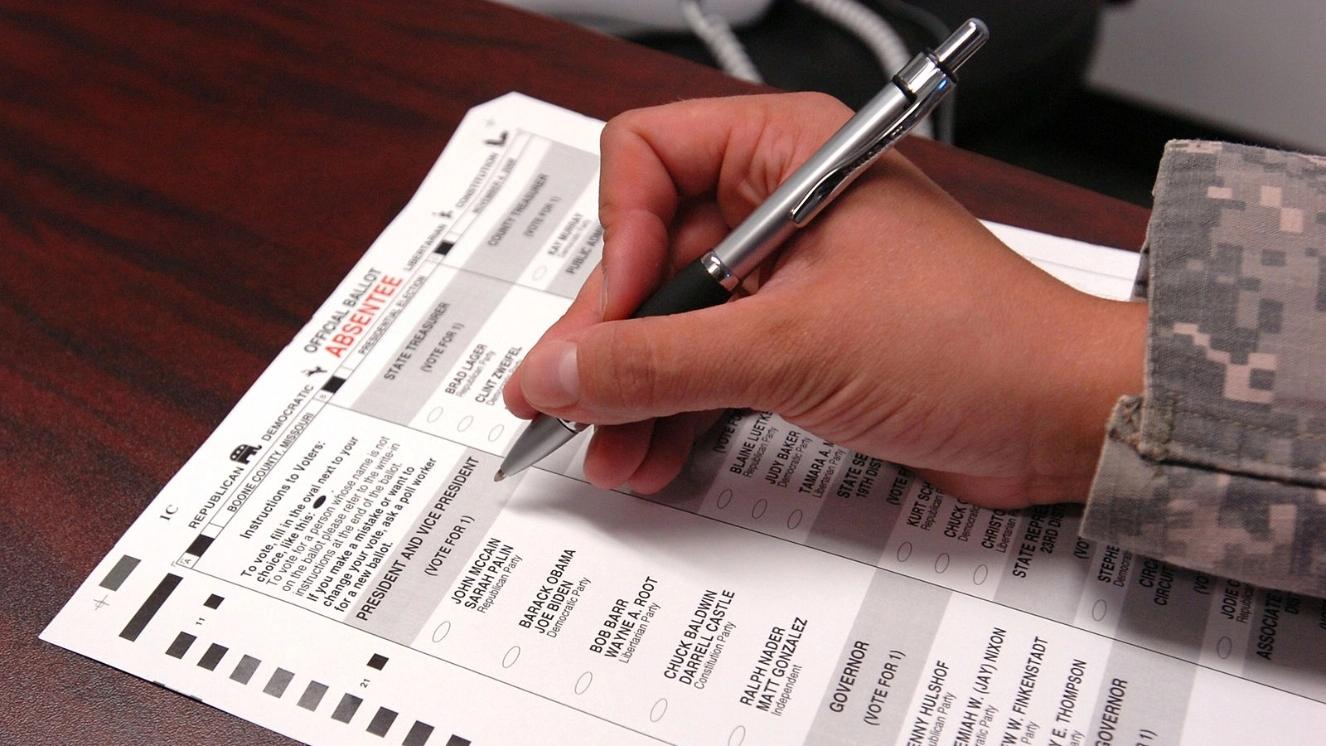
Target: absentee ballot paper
(337, 564)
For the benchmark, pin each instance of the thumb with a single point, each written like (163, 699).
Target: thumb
(625, 371)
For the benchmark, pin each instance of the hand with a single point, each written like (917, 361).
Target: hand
(895, 325)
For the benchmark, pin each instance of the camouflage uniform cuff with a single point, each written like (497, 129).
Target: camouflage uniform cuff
(1221, 464)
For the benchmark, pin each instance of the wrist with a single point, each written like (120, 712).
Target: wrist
(1099, 357)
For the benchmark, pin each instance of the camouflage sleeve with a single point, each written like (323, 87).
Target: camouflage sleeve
(1221, 465)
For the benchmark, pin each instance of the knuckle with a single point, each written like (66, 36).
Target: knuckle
(625, 124)
(626, 370)
(818, 101)
(824, 114)
(613, 129)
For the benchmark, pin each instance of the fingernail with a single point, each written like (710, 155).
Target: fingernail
(551, 375)
(603, 297)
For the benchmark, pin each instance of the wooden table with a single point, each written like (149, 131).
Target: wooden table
(163, 166)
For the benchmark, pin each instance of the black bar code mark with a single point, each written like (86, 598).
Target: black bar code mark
(150, 607)
(244, 671)
(312, 695)
(382, 721)
(212, 657)
(183, 641)
(115, 578)
(347, 707)
(418, 734)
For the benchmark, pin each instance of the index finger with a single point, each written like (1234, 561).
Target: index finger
(737, 149)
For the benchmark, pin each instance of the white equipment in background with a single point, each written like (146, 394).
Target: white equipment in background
(637, 16)
(712, 22)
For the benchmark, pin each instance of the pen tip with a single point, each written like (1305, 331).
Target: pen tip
(499, 476)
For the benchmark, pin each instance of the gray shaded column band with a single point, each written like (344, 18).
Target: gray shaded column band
(1287, 643)
(1047, 563)
(448, 530)
(581, 258)
(859, 509)
(1163, 609)
(1143, 698)
(434, 346)
(534, 212)
(853, 710)
(708, 456)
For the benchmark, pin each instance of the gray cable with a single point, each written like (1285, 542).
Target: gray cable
(885, 43)
(722, 43)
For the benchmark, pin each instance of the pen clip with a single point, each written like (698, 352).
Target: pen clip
(925, 80)
(836, 178)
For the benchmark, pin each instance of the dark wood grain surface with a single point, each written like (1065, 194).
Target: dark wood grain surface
(181, 184)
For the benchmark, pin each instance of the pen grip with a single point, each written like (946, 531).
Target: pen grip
(690, 289)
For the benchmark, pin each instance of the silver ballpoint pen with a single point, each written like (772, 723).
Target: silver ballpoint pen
(907, 99)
